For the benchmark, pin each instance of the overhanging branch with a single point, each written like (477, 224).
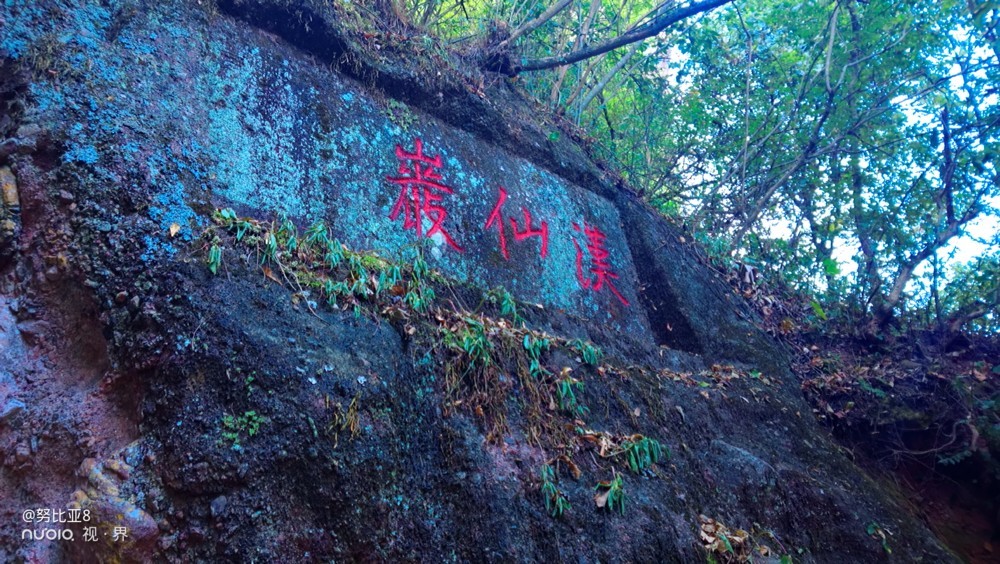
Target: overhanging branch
(662, 18)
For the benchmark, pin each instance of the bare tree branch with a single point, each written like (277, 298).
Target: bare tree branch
(604, 81)
(595, 6)
(530, 26)
(662, 18)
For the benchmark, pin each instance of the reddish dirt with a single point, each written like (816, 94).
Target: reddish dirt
(957, 513)
(59, 369)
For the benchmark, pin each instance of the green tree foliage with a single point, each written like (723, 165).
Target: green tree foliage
(863, 126)
(844, 144)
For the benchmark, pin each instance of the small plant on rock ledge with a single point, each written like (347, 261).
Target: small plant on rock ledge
(642, 452)
(566, 387)
(555, 502)
(317, 235)
(470, 337)
(535, 346)
(508, 307)
(590, 353)
(611, 495)
(419, 294)
(316, 263)
(639, 452)
(214, 258)
(235, 427)
(876, 531)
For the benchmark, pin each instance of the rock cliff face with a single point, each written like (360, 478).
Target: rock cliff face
(270, 291)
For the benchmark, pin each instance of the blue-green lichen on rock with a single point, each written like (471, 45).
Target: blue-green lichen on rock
(222, 120)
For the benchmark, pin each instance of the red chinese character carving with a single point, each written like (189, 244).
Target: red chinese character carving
(496, 218)
(419, 191)
(542, 232)
(599, 265)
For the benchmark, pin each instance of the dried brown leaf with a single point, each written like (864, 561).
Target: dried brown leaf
(573, 468)
(601, 499)
(268, 273)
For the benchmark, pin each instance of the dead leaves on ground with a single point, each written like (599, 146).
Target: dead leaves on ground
(726, 545)
(717, 378)
(606, 444)
(729, 546)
